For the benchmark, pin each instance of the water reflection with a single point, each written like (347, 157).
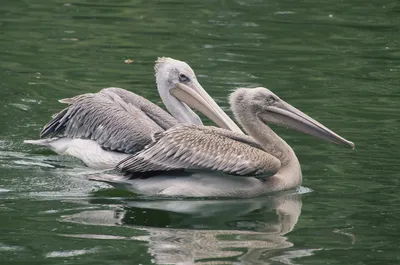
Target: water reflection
(250, 231)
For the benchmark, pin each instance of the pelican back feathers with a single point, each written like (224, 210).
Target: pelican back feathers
(115, 118)
(199, 147)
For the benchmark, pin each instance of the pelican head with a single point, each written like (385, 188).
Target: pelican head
(268, 107)
(179, 90)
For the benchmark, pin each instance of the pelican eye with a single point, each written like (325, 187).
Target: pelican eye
(271, 99)
(183, 78)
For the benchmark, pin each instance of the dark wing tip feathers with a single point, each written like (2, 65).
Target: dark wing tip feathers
(53, 126)
(133, 164)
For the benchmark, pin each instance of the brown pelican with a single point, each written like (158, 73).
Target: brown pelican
(254, 170)
(103, 128)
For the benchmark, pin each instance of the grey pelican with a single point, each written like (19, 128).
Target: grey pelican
(201, 151)
(103, 128)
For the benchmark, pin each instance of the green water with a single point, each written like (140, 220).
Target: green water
(338, 61)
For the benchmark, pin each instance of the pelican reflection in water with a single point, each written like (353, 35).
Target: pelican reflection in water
(189, 155)
(248, 231)
(103, 128)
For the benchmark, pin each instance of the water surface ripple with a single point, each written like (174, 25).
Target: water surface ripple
(337, 61)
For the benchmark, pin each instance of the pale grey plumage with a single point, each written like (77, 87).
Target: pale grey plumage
(210, 148)
(117, 119)
(193, 147)
(153, 111)
(100, 128)
(199, 147)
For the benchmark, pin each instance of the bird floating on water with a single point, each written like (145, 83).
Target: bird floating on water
(103, 128)
(245, 168)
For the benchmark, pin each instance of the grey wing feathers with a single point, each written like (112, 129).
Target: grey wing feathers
(238, 137)
(106, 118)
(154, 112)
(197, 147)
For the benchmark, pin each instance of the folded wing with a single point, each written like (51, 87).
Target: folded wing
(117, 119)
(199, 147)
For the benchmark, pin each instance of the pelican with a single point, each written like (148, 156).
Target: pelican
(103, 128)
(246, 169)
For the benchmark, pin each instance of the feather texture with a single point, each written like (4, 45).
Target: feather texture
(199, 147)
(117, 119)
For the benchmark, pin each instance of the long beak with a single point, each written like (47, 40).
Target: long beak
(288, 116)
(198, 98)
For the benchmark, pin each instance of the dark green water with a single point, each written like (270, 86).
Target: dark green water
(338, 61)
